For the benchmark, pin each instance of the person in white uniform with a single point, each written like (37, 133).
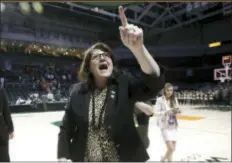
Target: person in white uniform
(166, 109)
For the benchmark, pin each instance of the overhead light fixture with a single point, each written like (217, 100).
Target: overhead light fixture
(189, 7)
(38, 7)
(25, 8)
(3, 7)
(214, 44)
(204, 4)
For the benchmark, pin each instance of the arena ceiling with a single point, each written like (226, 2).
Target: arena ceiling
(154, 17)
(74, 20)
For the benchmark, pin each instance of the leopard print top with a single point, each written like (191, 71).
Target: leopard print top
(99, 146)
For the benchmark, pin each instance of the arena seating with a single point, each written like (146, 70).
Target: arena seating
(212, 96)
(208, 95)
(22, 98)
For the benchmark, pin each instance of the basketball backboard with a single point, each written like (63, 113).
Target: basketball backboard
(223, 74)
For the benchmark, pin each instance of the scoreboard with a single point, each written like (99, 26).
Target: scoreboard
(226, 60)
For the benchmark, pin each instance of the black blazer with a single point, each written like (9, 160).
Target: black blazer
(123, 93)
(6, 124)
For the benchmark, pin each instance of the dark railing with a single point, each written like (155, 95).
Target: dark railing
(38, 107)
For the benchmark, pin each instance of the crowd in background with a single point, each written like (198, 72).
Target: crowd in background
(46, 78)
(38, 83)
(206, 94)
(50, 83)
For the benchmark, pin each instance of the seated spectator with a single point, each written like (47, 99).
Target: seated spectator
(2, 79)
(50, 96)
(20, 101)
(28, 101)
(64, 77)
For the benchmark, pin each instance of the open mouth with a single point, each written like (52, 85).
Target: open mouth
(103, 66)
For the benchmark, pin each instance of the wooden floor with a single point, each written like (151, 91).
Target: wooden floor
(203, 135)
(189, 118)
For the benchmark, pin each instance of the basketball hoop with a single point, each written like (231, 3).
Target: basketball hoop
(222, 80)
(223, 74)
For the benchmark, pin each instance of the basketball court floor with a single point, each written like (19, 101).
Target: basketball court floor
(203, 136)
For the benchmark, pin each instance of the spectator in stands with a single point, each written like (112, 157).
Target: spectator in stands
(166, 108)
(20, 101)
(69, 76)
(99, 117)
(2, 79)
(28, 101)
(212, 96)
(20, 78)
(6, 127)
(64, 77)
(50, 96)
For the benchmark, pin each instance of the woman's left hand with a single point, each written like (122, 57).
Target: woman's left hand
(131, 35)
(176, 111)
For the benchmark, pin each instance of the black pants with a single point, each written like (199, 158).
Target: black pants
(143, 132)
(4, 151)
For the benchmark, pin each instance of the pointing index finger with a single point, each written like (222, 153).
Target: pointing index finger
(122, 16)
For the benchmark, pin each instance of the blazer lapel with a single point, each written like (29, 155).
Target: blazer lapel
(115, 100)
(111, 101)
(85, 107)
(81, 104)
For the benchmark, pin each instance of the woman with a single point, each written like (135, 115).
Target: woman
(166, 109)
(98, 124)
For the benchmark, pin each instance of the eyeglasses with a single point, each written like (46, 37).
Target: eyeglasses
(98, 56)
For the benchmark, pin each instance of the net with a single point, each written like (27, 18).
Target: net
(227, 66)
(222, 80)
